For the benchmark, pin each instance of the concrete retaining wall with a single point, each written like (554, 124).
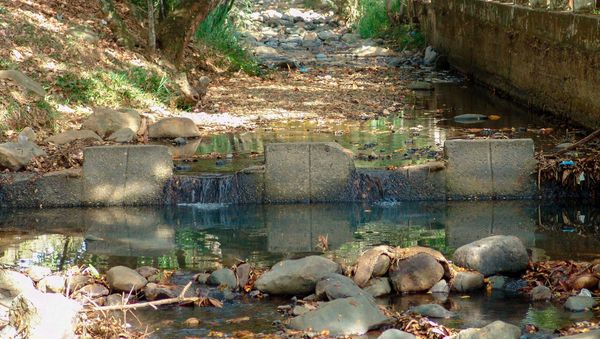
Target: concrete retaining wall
(546, 59)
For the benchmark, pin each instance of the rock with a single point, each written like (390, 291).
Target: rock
(124, 135)
(299, 310)
(496, 330)
(114, 300)
(440, 287)
(93, 291)
(327, 35)
(223, 277)
(467, 281)
(52, 284)
(594, 334)
(27, 134)
(372, 51)
(191, 322)
(335, 286)
(298, 276)
(24, 81)
(202, 278)
(420, 86)
(125, 279)
(377, 287)
(76, 282)
(105, 121)
(498, 282)
(36, 273)
(415, 274)
(491, 255)
(382, 265)
(154, 291)
(393, 333)
(40, 315)
(311, 39)
(16, 155)
(147, 271)
(347, 316)
(14, 283)
(350, 38)
(190, 95)
(321, 57)
(70, 136)
(8, 332)
(541, 292)
(430, 56)
(580, 303)
(242, 273)
(432, 311)
(174, 128)
(587, 281)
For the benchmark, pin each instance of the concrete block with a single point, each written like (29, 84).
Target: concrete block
(125, 175)
(513, 163)
(330, 170)
(287, 172)
(427, 182)
(469, 168)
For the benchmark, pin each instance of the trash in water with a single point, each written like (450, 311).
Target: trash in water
(567, 229)
(567, 163)
(470, 118)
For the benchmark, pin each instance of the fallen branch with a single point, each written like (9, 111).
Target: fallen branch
(575, 145)
(181, 299)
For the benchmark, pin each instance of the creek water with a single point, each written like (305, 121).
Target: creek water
(411, 135)
(200, 237)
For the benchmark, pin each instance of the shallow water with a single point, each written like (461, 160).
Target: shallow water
(200, 237)
(409, 136)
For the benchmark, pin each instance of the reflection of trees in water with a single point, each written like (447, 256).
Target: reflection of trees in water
(583, 219)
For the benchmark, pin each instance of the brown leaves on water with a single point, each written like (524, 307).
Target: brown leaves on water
(421, 326)
(564, 278)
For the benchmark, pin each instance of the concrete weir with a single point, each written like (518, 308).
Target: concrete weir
(293, 172)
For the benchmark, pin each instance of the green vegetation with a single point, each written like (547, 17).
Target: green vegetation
(219, 32)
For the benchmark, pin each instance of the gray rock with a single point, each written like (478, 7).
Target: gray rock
(154, 291)
(36, 273)
(27, 134)
(336, 286)
(498, 282)
(467, 281)
(580, 303)
(496, 330)
(347, 316)
(327, 35)
(382, 265)
(14, 283)
(147, 271)
(440, 287)
(296, 276)
(372, 51)
(106, 121)
(125, 279)
(70, 136)
(52, 284)
(223, 277)
(377, 287)
(40, 315)
(432, 311)
(299, 310)
(16, 155)
(311, 39)
(124, 135)
(24, 81)
(321, 57)
(350, 38)
(114, 300)
(541, 292)
(420, 86)
(393, 333)
(415, 274)
(491, 255)
(93, 291)
(76, 282)
(174, 128)
(242, 273)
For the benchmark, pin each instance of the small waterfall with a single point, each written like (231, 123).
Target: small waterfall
(203, 189)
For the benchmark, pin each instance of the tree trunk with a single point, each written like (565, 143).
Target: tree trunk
(151, 31)
(177, 30)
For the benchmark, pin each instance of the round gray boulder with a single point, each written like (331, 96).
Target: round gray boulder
(125, 279)
(222, 277)
(415, 274)
(491, 255)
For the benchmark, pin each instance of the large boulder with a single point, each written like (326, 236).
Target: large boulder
(336, 286)
(298, 276)
(14, 283)
(496, 330)
(415, 274)
(223, 277)
(173, 128)
(125, 279)
(347, 316)
(491, 255)
(16, 155)
(44, 315)
(106, 121)
(70, 136)
(377, 287)
(467, 281)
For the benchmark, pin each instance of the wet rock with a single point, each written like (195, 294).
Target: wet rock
(106, 121)
(147, 271)
(432, 311)
(430, 56)
(335, 286)
(467, 281)
(70, 136)
(415, 274)
(493, 255)
(173, 128)
(382, 265)
(377, 287)
(222, 277)
(393, 333)
(93, 291)
(242, 273)
(36, 273)
(296, 276)
(154, 291)
(24, 81)
(202, 278)
(440, 287)
(299, 310)
(498, 282)
(420, 86)
(16, 155)
(347, 316)
(114, 300)
(191, 322)
(124, 135)
(496, 330)
(540, 293)
(125, 279)
(40, 315)
(52, 284)
(14, 283)
(580, 303)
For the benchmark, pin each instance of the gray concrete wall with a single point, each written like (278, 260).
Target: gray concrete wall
(546, 59)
